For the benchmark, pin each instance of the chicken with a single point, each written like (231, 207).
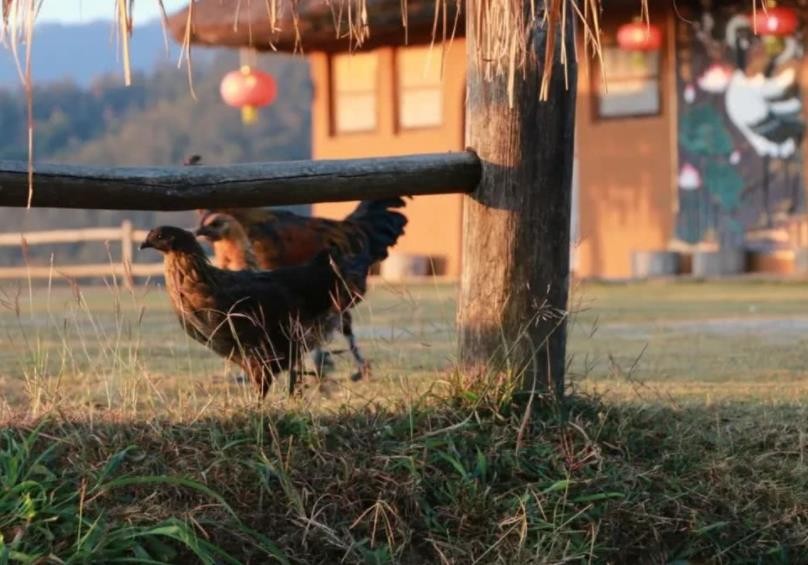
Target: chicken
(263, 320)
(282, 238)
(232, 249)
(231, 245)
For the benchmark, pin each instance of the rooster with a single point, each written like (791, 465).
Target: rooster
(763, 101)
(235, 253)
(263, 320)
(281, 238)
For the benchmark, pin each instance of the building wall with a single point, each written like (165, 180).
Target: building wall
(435, 221)
(625, 198)
(626, 174)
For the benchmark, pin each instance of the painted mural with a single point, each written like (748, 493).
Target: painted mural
(740, 125)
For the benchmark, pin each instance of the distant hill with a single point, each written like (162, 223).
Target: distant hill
(92, 118)
(80, 53)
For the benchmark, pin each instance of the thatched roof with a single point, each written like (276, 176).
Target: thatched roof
(501, 31)
(315, 25)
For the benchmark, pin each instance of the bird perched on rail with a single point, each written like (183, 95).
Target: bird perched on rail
(281, 238)
(263, 320)
(192, 160)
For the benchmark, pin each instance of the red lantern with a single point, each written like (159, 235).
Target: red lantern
(248, 89)
(775, 20)
(639, 36)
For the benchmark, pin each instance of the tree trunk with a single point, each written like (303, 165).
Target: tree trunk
(516, 227)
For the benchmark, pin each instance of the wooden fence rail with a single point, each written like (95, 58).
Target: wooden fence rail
(126, 268)
(236, 186)
(515, 273)
(515, 229)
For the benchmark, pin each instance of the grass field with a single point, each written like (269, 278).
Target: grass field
(686, 437)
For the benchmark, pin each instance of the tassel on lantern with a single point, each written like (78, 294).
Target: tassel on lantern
(249, 115)
(638, 61)
(773, 45)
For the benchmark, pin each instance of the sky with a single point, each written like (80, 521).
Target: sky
(78, 11)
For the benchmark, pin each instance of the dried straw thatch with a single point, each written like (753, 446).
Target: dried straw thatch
(307, 25)
(502, 29)
(503, 26)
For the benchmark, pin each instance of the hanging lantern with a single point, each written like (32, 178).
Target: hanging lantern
(639, 36)
(777, 21)
(248, 89)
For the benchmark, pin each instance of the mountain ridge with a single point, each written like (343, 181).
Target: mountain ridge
(95, 119)
(80, 52)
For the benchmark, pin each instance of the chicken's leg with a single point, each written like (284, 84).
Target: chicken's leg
(295, 369)
(259, 374)
(362, 365)
(322, 361)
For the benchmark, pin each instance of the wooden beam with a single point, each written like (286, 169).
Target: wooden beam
(92, 270)
(516, 229)
(67, 236)
(237, 186)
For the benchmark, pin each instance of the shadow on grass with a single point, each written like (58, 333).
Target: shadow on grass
(457, 479)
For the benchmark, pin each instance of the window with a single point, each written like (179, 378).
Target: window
(632, 84)
(355, 89)
(420, 97)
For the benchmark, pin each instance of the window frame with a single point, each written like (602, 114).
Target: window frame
(597, 87)
(333, 94)
(398, 91)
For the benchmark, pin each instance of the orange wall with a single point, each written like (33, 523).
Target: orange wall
(434, 228)
(626, 171)
(626, 193)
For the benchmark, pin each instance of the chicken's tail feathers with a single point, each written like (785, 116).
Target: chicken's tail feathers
(359, 242)
(370, 207)
(349, 274)
(380, 225)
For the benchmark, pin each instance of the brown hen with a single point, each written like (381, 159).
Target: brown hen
(262, 320)
(281, 238)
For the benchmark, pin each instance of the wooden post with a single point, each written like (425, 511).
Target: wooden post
(516, 227)
(127, 251)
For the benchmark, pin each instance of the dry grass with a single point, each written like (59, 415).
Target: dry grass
(109, 348)
(436, 481)
(122, 439)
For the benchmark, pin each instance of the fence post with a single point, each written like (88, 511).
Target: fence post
(516, 226)
(127, 251)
